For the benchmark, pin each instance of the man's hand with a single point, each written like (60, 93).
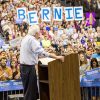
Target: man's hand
(56, 57)
(61, 58)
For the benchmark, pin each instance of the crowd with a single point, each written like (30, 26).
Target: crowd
(9, 65)
(61, 38)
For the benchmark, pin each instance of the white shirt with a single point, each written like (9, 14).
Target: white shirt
(30, 50)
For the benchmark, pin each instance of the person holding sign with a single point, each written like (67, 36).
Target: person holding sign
(95, 90)
(29, 53)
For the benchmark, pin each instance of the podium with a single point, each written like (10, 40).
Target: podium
(60, 80)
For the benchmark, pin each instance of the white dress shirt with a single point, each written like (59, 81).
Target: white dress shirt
(30, 50)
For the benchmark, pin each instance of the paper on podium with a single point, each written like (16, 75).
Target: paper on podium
(46, 60)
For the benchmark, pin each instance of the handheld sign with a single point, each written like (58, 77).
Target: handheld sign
(78, 13)
(57, 13)
(21, 13)
(69, 15)
(93, 74)
(32, 17)
(46, 14)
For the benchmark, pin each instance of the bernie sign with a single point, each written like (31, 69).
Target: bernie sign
(58, 14)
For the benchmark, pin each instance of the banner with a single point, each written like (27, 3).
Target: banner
(89, 83)
(91, 78)
(17, 84)
(93, 74)
(10, 85)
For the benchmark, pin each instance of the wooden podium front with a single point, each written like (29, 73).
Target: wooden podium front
(60, 81)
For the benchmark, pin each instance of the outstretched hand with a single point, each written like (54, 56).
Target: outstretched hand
(61, 58)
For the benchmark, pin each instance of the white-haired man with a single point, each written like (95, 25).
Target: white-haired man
(29, 52)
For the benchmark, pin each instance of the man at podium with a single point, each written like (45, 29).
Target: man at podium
(29, 52)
